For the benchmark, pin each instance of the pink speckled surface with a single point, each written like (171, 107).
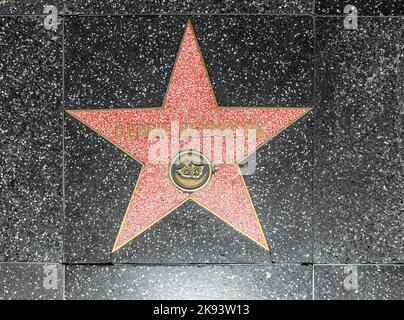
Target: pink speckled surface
(189, 99)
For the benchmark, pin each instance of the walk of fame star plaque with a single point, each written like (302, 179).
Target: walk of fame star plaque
(189, 171)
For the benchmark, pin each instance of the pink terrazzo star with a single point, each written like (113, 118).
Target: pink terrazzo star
(189, 99)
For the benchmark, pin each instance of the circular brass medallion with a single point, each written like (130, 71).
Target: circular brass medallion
(190, 170)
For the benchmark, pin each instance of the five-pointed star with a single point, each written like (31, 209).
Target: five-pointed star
(189, 99)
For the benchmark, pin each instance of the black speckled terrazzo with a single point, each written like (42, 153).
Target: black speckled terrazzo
(31, 176)
(91, 221)
(358, 282)
(359, 170)
(27, 7)
(246, 55)
(31, 281)
(109, 67)
(328, 190)
(189, 7)
(139, 62)
(364, 7)
(189, 282)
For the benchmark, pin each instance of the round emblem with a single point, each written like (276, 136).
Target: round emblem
(190, 170)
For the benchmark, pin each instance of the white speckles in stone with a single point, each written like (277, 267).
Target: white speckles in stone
(30, 146)
(99, 180)
(262, 61)
(189, 282)
(116, 62)
(22, 7)
(365, 7)
(189, 7)
(359, 176)
(373, 282)
(27, 281)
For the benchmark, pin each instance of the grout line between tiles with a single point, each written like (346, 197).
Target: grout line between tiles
(204, 264)
(361, 264)
(183, 264)
(312, 283)
(313, 7)
(202, 14)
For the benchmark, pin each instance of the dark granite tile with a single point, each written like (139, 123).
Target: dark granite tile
(258, 60)
(21, 7)
(365, 7)
(99, 181)
(31, 141)
(358, 171)
(31, 281)
(358, 282)
(137, 56)
(126, 61)
(189, 282)
(281, 190)
(114, 62)
(400, 106)
(190, 7)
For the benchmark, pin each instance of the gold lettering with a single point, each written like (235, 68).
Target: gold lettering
(119, 131)
(260, 131)
(131, 131)
(166, 130)
(141, 131)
